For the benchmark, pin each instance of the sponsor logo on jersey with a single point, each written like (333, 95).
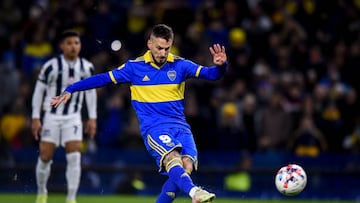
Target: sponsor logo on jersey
(146, 78)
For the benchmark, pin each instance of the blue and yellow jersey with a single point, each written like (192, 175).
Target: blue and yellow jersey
(157, 93)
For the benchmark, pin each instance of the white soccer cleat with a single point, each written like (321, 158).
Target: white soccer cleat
(202, 196)
(41, 199)
(71, 201)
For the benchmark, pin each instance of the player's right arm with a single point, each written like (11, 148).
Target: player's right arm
(120, 75)
(37, 99)
(92, 82)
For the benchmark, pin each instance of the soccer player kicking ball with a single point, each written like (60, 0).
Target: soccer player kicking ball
(62, 126)
(157, 93)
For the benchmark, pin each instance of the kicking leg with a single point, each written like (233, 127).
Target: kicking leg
(174, 166)
(169, 190)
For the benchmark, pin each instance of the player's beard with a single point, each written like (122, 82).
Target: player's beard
(161, 61)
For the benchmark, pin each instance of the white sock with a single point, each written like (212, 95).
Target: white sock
(192, 191)
(73, 173)
(42, 172)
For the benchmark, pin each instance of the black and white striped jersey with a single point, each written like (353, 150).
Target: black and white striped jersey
(55, 75)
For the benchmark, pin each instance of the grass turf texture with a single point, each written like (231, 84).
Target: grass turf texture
(30, 198)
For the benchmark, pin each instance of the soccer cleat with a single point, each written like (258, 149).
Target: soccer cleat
(41, 199)
(203, 196)
(71, 201)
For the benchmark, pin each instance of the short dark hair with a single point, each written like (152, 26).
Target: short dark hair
(68, 33)
(162, 31)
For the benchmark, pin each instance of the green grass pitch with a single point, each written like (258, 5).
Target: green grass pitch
(59, 198)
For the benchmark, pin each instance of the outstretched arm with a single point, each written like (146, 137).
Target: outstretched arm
(92, 82)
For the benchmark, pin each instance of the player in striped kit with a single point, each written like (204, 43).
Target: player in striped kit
(157, 94)
(62, 126)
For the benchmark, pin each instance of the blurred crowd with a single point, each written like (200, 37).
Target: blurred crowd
(292, 81)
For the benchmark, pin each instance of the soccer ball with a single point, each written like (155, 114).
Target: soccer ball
(290, 180)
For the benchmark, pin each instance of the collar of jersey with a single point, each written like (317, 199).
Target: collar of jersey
(148, 59)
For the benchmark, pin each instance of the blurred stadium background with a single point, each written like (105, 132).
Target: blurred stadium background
(290, 95)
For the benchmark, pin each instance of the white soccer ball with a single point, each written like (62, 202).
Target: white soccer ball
(290, 180)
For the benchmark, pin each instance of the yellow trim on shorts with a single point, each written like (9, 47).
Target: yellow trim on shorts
(160, 150)
(155, 146)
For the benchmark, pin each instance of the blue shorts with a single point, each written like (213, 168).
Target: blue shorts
(160, 141)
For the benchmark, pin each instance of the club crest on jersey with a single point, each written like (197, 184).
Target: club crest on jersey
(171, 75)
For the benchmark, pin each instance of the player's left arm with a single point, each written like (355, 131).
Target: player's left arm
(91, 104)
(91, 100)
(219, 54)
(220, 63)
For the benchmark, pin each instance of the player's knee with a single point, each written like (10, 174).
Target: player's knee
(176, 161)
(188, 164)
(172, 159)
(45, 157)
(171, 155)
(73, 146)
(46, 151)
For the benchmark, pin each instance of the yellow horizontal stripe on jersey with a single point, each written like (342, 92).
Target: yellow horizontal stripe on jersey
(158, 93)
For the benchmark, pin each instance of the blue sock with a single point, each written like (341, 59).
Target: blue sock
(178, 175)
(168, 192)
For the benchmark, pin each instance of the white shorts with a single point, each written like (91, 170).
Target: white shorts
(61, 129)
